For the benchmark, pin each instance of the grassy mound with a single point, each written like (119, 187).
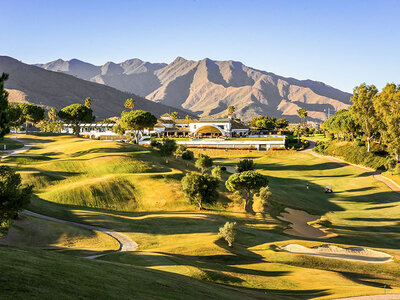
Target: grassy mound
(101, 174)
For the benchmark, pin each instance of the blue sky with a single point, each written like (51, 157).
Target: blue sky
(341, 43)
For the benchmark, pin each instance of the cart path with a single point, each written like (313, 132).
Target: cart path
(125, 242)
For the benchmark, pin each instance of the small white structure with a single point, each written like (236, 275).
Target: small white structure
(93, 130)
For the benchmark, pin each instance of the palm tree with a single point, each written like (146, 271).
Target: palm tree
(302, 113)
(188, 118)
(88, 102)
(174, 115)
(231, 110)
(130, 103)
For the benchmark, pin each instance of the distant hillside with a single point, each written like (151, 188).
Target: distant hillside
(208, 87)
(29, 83)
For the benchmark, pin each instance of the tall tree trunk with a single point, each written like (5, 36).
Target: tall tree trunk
(26, 127)
(368, 144)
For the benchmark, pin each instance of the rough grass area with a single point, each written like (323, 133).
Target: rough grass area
(31, 232)
(352, 153)
(57, 276)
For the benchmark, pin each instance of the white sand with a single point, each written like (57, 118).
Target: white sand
(331, 251)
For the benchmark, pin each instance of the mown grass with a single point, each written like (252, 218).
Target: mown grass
(10, 144)
(57, 276)
(174, 237)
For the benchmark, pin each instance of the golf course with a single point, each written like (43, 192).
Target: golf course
(95, 186)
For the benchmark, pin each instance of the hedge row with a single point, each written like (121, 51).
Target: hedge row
(352, 153)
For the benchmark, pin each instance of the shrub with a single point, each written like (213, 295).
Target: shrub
(265, 195)
(204, 162)
(180, 150)
(216, 172)
(154, 143)
(245, 165)
(188, 155)
(228, 232)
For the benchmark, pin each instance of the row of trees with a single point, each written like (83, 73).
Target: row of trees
(374, 115)
(13, 196)
(269, 123)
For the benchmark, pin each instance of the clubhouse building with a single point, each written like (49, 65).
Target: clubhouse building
(207, 132)
(200, 128)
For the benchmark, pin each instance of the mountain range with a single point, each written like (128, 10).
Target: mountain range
(207, 87)
(32, 84)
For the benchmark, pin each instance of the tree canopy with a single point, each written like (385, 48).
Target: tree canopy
(13, 197)
(4, 121)
(231, 110)
(167, 147)
(387, 106)
(52, 114)
(88, 102)
(76, 113)
(174, 115)
(130, 103)
(203, 162)
(31, 113)
(246, 183)
(245, 165)
(302, 113)
(363, 110)
(136, 121)
(342, 124)
(200, 189)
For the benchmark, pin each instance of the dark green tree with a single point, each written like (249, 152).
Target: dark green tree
(13, 197)
(203, 162)
(247, 184)
(15, 115)
(282, 123)
(136, 121)
(4, 120)
(167, 148)
(245, 165)
(188, 155)
(200, 189)
(75, 114)
(31, 113)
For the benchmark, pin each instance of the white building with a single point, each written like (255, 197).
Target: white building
(201, 128)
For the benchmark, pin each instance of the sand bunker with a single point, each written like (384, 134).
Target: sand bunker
(302, 224)
(330, 251)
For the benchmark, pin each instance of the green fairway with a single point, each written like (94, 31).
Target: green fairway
(132, 190)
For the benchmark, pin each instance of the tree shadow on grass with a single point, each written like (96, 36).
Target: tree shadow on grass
(313, 167)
